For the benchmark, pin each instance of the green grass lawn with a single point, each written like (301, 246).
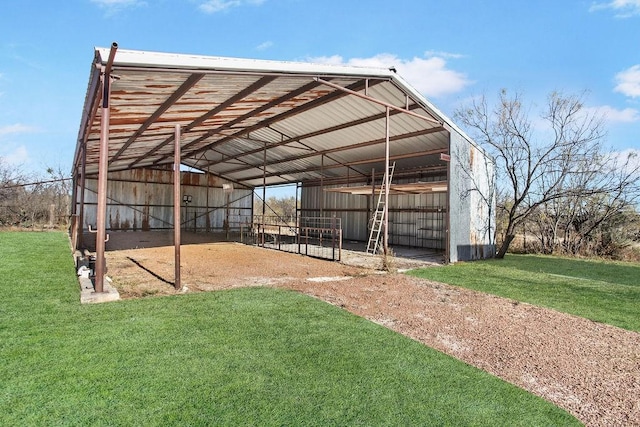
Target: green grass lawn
(604, 291)
(255, 356)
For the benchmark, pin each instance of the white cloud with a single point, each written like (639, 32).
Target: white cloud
(430, 76)
(442, 54)
(628, 159)
(15, 128)
(629, 81)
(623, 8)
(114, 6)
(214, 6)
(17, 156)
(613, 115)
(265, 45)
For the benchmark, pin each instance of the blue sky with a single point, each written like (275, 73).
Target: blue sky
(449, 50)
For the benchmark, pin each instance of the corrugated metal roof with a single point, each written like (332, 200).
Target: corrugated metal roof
(231, 110)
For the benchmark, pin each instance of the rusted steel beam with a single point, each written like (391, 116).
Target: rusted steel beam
(176, 207)
(354, 163)
(112, 57)
(103, 170)
(89, 117)
(298, 138)
(242, 94)
(342, 148)
(377, 101)
(168, 103)
(305, 88)
(290, 113)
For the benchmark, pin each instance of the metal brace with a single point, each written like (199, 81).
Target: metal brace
(91, 230)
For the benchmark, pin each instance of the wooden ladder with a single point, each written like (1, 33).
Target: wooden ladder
(377, 220)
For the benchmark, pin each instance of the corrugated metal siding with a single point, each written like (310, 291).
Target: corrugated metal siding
(142, 199)
(414, 220)
(469, 239)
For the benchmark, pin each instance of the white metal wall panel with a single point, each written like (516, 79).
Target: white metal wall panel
(142, 199)
(469, 238)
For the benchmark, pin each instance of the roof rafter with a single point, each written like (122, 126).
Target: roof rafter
(313, 134)
(348, 164)
(271, 104)
(230, 101)
(297, 110)
(343, 148)
(168, 103)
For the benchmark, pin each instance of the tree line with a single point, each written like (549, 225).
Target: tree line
(556, 187)
(33, 200)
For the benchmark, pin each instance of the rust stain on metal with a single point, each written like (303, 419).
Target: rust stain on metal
(145, 217)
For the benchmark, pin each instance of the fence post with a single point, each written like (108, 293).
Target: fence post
(333, 238)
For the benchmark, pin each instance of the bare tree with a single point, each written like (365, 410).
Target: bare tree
(11, 177)
(31, 199)
(534, 164)
(608, 188)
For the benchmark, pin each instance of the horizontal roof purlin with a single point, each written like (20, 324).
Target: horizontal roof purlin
(255, 121)
(414, 188)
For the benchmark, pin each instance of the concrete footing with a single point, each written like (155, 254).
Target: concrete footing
(89, 296)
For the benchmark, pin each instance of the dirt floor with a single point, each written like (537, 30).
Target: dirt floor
(590, 369)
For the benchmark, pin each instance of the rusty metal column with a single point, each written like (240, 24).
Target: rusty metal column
(322, 186)
(83, 184)
(264, 190)
(103, 169)
(297, 216)
(176, 206)
(447, 224)
(73, 230)
(101, 221)
(386, 185)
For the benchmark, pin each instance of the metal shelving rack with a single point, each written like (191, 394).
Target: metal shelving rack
(431, 227)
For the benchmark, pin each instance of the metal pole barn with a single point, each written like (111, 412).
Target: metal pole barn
(176, 206)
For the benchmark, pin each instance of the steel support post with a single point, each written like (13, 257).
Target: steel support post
(386, 184)
(83, 185)
(447, 223)
(264, 190)
(176, 207)
(298, 222)
(103, 166)
(321, 186)
(74, 210)
(103, 169)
